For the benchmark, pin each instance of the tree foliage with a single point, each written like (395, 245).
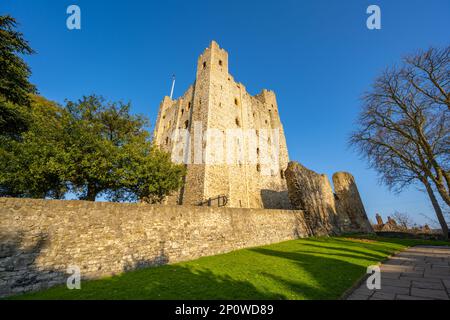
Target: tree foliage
(35, 165)
(90, 148)
(404, 127)
(153, 177)
(14, 73)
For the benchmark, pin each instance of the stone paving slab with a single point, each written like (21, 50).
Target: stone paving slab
(418, 273)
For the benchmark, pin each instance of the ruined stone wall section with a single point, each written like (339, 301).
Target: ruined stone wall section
(349, 201)
(312, 192)
(39, 239)
(327, 212)
(221, 103)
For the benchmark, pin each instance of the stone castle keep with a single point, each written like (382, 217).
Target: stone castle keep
(40, 239)
(216, 103)
(190, 129)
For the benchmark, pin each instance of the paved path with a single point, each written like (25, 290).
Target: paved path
(418, 273)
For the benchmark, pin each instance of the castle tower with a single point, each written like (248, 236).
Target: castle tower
(232, 143)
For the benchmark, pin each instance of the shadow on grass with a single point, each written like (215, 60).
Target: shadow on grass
(319, 277)
(377, 253)
(19, 271)
(140, 280)
(330, 275)
(308, 269)
(169, 282)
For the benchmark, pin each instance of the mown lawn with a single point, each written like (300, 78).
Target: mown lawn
(314, 268)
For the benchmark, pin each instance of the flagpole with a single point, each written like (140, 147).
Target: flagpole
(173, 86)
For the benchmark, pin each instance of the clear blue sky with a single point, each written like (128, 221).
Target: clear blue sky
(317, 55)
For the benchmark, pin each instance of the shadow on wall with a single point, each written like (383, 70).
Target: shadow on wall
(172, 282)
(17, 259)
(322, 220)
(319, 270)
(19, 272)
(275, 199)
(159, 260)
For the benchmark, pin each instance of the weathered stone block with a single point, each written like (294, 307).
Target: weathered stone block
(312, 193)
(349, 203)
(327, 212)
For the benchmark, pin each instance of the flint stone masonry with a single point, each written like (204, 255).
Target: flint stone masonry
(327, 212)
(39, 239)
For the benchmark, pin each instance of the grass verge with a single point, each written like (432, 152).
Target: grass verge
(313, 268)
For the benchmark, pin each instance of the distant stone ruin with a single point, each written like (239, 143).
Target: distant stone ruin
(396, 226)
(327, 212)
(379, 219)
(390, 225)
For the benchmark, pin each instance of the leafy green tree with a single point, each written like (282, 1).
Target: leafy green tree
(14, 73)
(153, 176)
(35, 165)
(98, 132)
(112, 154)
(90, 148)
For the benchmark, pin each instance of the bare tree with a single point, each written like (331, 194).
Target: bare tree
(434, 224)
(404, 128)
(403, 220)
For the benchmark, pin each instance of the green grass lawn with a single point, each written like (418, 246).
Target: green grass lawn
(314, 268)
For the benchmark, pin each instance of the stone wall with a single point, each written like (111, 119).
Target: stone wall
(39, 239)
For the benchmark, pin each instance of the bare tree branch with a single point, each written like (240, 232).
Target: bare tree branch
(404, 127)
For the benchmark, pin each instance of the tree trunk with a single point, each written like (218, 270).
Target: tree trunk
(91, 193)
(443, 192)
(437, 209)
